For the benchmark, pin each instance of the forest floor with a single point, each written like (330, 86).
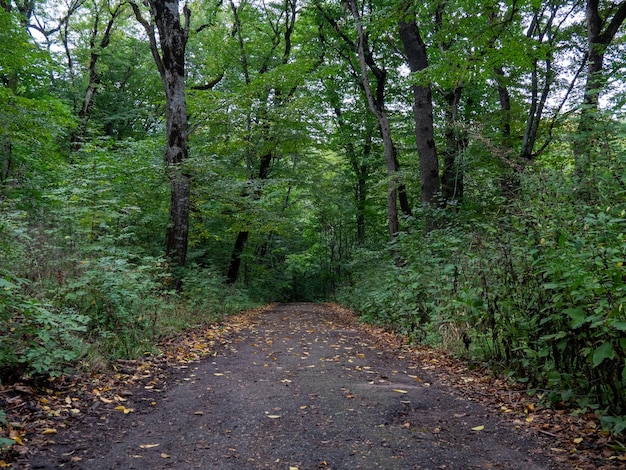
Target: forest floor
(294, 386)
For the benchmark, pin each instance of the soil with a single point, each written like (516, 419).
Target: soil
(294, 386)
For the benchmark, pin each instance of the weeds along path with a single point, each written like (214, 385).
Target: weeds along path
(297, 388)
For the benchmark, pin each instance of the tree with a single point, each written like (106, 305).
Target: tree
(279, 28)
(603, 25)
(169, 56)
(96, 46)
(415, 50)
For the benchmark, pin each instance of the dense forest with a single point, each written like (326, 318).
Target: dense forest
(454, 170)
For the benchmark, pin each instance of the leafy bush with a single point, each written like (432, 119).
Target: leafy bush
(37, 337)
(538, 290)
(121, 301)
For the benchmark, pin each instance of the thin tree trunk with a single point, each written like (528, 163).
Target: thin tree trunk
(505, 108)
(452, 176)
(415, 50)
(84, 112)
(377, 108)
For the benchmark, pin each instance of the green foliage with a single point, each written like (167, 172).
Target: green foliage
(5, 443)
(120, 300)
(37, 338)
(537, 289)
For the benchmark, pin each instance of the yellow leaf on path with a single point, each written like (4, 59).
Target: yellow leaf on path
(148, 446)
(165, 456)
(199, 413)
(529, 419)
(397, 390)
(218, 374)
(106, 400)
(578, 440)
(274, 416)
(478, 428)
(360, 356)
(4, 464)
(291, 467)
(49, 431)
(286, 381)
(124, 409)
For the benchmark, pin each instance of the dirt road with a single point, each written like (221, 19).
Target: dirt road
(299, 388)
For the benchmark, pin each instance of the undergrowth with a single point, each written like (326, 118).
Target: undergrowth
(536, 290)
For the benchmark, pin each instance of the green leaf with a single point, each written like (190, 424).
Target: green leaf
(602, 352)
(578, 316)
(4, 442)
(618, 325)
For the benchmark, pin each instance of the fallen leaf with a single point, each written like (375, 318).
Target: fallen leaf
(274, 416)
(578, 440)
(124, 409)
(148, 446)
(478, 428)
(397, 390)
(49, 431)
(165, 456)
(199, 413)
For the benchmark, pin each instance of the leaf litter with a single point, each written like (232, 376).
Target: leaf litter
(36, 409)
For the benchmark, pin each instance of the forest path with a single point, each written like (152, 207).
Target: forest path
(299, 387)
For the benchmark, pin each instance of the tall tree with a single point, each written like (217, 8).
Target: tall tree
(376, 105)
(169, 56)
(415, 50)
(97, 43)
(603, 25)
(279, 28)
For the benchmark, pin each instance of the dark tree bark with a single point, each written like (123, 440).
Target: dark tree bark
(170, 61)
(415, 50)
(600, 34)
(505, 108)
(539, 94)
(452, 175)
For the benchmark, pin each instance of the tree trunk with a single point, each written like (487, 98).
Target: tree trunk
(84, 112)
(598, 39)
(415, 50)
(505, 109)
(452, 176)
(376, 105)
(170, 60)
(242, 237)
(235, 257)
